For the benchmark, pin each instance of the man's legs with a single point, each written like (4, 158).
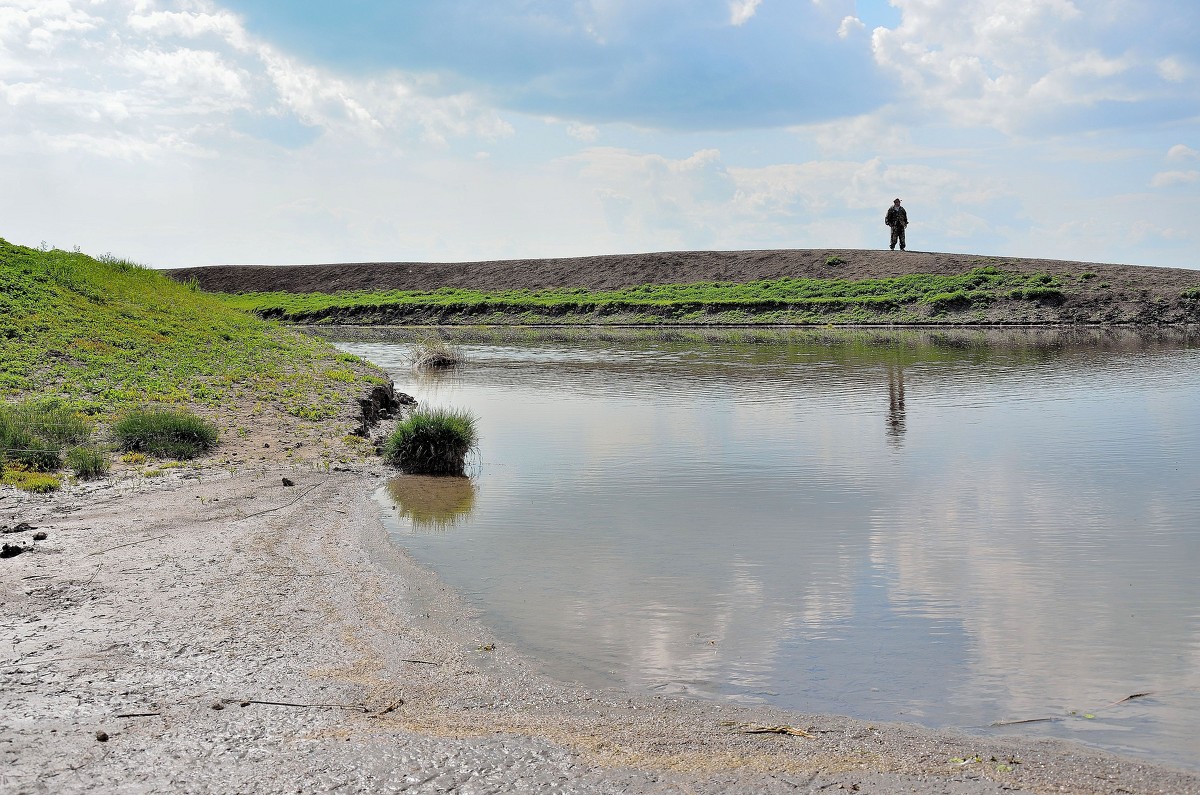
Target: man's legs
(900, 231)
(897, 231)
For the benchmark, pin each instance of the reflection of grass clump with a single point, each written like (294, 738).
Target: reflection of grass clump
(170, 434)
(432, 441)
(433, 502)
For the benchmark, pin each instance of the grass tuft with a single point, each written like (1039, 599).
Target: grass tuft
(433, 441)
(33, 433)
(35, 482)
(1050, 295)
(167, 434)
(433, 353)
(88, 462)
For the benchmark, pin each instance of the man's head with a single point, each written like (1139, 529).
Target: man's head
(897, 202)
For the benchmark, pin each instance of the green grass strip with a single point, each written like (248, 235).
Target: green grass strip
(980, 285)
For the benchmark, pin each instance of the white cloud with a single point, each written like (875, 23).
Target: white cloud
(849, 26)
(1008, 65)
(873, 132)
(740, 11)
(1174, 69)
(1165, 179)
(1182, 152)
(583, 132)
(644, 195)
(222, 25)
(199, 125)
(190, 80)
(700, 201)
(76, 73)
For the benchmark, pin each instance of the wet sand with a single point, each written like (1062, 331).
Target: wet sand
(217, 631)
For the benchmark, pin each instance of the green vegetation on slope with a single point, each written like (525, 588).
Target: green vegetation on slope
(87, 343)
(109, 335)
(915, 295)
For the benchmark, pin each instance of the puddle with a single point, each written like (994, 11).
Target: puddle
(948, 534)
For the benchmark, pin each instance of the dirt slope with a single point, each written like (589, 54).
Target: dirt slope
(627, 270)
(1084, 293)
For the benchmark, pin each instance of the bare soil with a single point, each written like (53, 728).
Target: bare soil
(1087, 293)
(215, 629)
(683, 267)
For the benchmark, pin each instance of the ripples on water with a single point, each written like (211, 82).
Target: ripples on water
(951, 535)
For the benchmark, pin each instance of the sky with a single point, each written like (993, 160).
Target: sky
(199, 132)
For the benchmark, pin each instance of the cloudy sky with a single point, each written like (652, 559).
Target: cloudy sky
(199, 132)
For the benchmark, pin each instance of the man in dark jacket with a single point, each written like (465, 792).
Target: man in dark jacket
(897, 219)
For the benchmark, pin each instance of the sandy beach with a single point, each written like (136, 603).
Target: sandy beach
(215, 630)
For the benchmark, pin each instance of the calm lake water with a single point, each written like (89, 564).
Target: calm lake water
(915, 527)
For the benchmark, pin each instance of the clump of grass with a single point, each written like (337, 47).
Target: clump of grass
(433, 441)
(167, 434)
(88, 462)
(33, 433)
(1193, 294)
(833, 261)
(340, 374)
(25, 480)
(1087, 276)
(948, 302)
(433, 353)
(1051, 295)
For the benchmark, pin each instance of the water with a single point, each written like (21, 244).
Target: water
(948, 534)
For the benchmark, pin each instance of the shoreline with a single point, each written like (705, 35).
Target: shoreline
(229, 633)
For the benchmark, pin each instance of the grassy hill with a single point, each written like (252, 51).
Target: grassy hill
(795, 287)
(99, 337)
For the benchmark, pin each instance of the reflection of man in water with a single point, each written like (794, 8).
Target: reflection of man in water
(897, 219)
(895, 418)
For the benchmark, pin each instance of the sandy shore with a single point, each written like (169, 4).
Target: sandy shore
(219, 631)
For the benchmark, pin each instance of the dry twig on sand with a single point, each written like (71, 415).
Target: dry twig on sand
(753, 728)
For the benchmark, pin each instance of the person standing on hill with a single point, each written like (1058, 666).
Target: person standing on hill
(897, 219)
